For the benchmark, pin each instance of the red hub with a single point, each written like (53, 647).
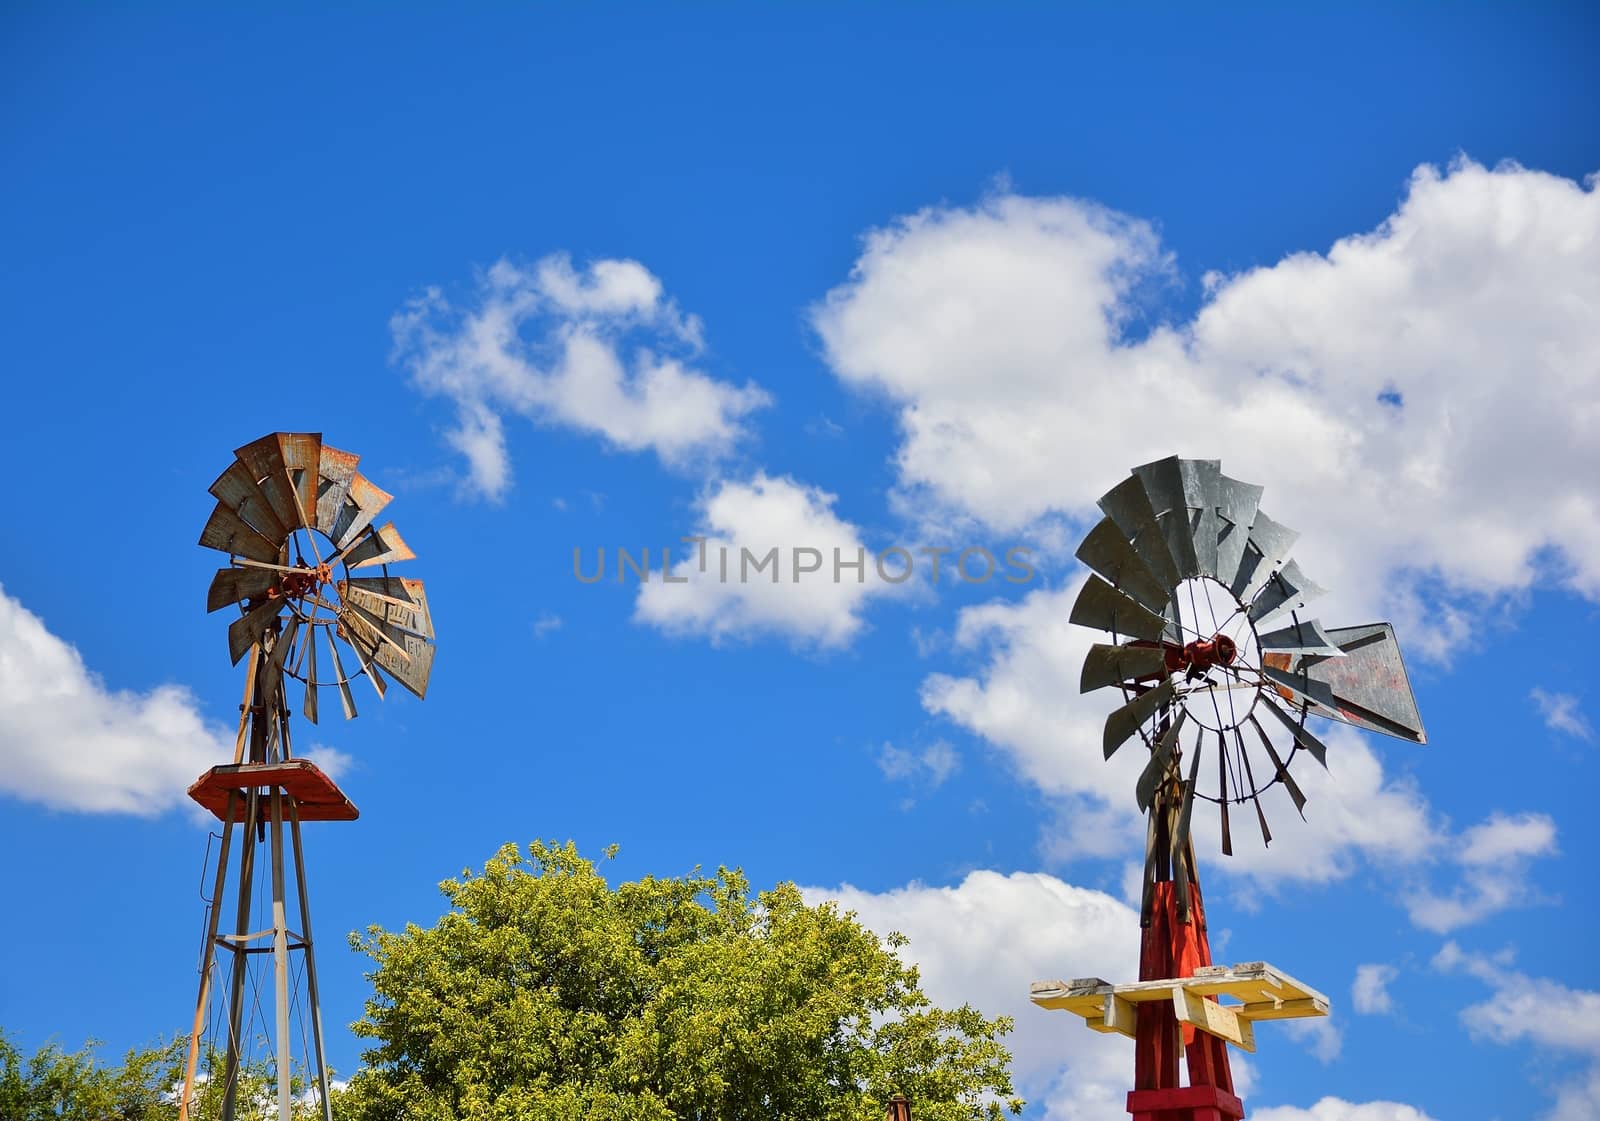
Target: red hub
(1200, 655)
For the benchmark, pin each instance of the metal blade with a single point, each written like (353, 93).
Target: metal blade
(1107, 552)
(231, 585)
(309, 708)
(1128, 505)
(245, 631)
(382, 546)
(334, 473)
(236, 489)
(1111, 665)
(1289, 784)
(1369, 685)
(366, 642)
(363, 503)
(1301, 638)
(302, 460)
(273, 460)
(346, 698)
(1163, 482)
(1255, 795)
(414, 667)
(1150, 778)
(1125, 721)
(1306, 740)
(1102, 607)
(1180, 833)
(1288, 590)
(389, 599)
(1268, 544)
(1148, 895)
(1237, 504)
(1222, 797)
(228, 533)
(1202, 487)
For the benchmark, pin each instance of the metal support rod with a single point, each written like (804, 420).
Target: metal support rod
(207, 956)
(241, 961)
(280, 955)
(307, 946)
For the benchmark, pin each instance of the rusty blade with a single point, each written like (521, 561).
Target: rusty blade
(270, 459)
(245, 631)
(1125, 721)
(1255, 795)
(1237, 504)
(334, 473)
(412, 668)
(1102, 607)
(1268, 544)
(1368, 687)
(309, 706)
(302, 462)
(399, 602)
(346, 698)
(366, 642)
(1288, 590)
(380, 546)
(1222, 797)
(1111, 665)
(1128, 505)
(1311, 743)
(1155, 770)
(363, 503)
(228, 533)
(1289, 784)
(1107, 552)
(236, 489)
(1163, 482)
(230, 585)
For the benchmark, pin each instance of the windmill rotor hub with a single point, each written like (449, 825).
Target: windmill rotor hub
(1202, 654)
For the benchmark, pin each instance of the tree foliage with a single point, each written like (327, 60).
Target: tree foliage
(544, 993)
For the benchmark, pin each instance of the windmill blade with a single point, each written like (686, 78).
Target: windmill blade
(285, 467)
(1295, 794)
(245, 631)
(1255, 794)
(1180, 832)
(1129, 507)
(1302, 735)
(346, 698)
(1125, 721)
(309, 706)
(1237, 504)
(1155, 770)
(398, 602)
(1267, 545)
(366, 641)
(1301, 638)
(1102, 607)
(1202, 491)
(362, 503)
(407, 657)
(236, 489)
(1222, 796)
(335, 471)
(380, 546)
(231, 585)
(1288, 590)
(1163, 483)
(1113, 665)
(1106, 551)
(226, 532)
(1148, 897)
(1367, 687)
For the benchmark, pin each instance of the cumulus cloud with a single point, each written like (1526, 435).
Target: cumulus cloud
(931, 765)
(775, 559)
(70, 742)
(1422, 400)
(1494, 857)
(1369, 992)
(600, 349)
(1561, 713)
(1337, 1109)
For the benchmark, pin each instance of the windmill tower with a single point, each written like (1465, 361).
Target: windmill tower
(307, 571)
(1219, 670)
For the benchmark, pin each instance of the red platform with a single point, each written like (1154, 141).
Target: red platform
(1183, 1103)
(317, 797)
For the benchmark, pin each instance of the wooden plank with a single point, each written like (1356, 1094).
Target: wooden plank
(1283, 1009)
(1116, 1016)
(1213, 1019)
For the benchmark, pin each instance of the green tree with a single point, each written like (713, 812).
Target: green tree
(55, 1085)
(543, 993)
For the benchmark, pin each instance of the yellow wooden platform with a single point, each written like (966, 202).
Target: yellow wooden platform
(1258, 991)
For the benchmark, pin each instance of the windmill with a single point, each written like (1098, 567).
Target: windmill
(1219, 668)
(308, 576)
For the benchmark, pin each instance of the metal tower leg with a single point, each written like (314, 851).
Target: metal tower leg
(280, 956)
(320, 1058)
(241, 957)
(208, 953)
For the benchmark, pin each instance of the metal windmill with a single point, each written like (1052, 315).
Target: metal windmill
(1219, 670)
(307, 572)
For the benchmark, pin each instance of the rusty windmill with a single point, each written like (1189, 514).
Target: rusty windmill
(309, 577)
(1219, 669)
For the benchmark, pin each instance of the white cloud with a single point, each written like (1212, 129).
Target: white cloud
(1562, 714)
(547, 623)
(1321, 1035)
(69, 742)
(601, 350)
(933, 764)
(1494, 856)
(330, 760)
(1369, 992)
(1337, 1109)
(813, 597)
(1422, 400)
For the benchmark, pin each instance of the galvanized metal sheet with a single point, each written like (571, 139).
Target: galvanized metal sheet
(363, 503)
(1180, 832)
(309, 706)
(1306, 637)
(1237, 504)
(1125, 721)
(1160, 759)
(1102, 607)
(365, 640)
(302, 460)
(1308, 741)
(410, 667)
(334, 474)
(236, 489)
(245, 631)
(1369, 686)
(227, 532)
(231, 585)
(342, 680)
(381, 546)
(1282, 772)
(1107, 551)
(388, 599)
(1288, 590)
(1112, 665)
(1269, 543)
(1202, 486)
(1129, 507)
(265, 459)
(1163, 483)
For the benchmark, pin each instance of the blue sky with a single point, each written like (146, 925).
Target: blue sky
(894, 276)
